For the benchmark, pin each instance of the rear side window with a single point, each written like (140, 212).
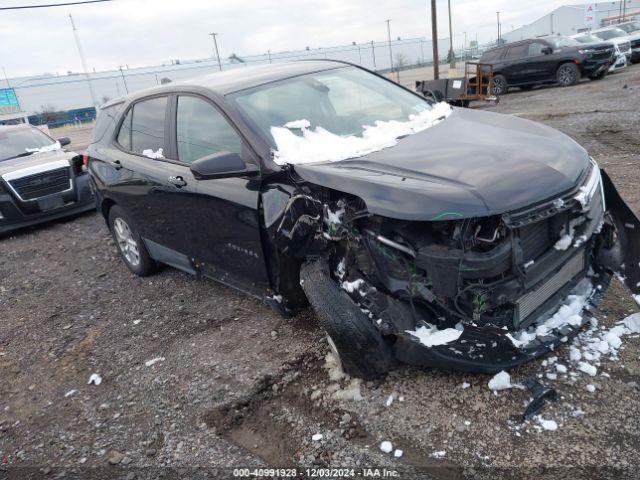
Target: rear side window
(147, 125)
(202, 130)
(536, 49)
(519, 51)
(492, 56)
(124, 135)
(106, 121)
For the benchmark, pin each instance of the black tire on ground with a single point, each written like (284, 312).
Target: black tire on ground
(568, 74)
(499, 85)
(119, 220)
(363, 352)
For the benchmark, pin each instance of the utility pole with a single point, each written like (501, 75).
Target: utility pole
(6, 79)
(269, 53)
(215, 44)
(390, 51)
(452, 54)
(551, 20)
(84, 63)
(498, 41)
(434, 40)
(373, 55)
(124, 80)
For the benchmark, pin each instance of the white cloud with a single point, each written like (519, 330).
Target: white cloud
(144, 32)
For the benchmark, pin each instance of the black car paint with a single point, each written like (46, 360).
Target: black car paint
(478, 164)
(542, 68)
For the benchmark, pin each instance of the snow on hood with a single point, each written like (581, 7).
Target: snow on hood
(48, 148)
(320, 145)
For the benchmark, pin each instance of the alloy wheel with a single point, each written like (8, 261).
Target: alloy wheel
(498, 86)
(566, 75)
(126, 243)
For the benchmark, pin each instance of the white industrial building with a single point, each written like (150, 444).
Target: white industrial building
(572, 19)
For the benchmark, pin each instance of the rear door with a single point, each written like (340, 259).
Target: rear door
(516, 69)
(221, 215)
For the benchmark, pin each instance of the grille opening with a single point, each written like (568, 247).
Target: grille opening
(42, 184)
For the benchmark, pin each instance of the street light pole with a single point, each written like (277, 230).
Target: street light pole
(390, 51)
(373, 55)
(215, 44)
(124, 80)
(434, 40)
(498, 41)
(452, 63)
(6, 78)
(84, 63)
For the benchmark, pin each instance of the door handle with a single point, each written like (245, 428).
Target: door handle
(115, 164)
(177, 181)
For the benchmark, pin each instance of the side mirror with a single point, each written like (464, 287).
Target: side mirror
(221, 165)
(547, 50)
(64, 141)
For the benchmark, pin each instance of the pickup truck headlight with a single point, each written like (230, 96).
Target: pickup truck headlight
(586, 51)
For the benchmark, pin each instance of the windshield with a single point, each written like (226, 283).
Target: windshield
(22, 141)
(630, 27)
(559, 42)
(587, 39)
(609, 34)
(342, 101)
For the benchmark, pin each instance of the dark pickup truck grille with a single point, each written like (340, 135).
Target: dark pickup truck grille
(603, 53)
(42, 184)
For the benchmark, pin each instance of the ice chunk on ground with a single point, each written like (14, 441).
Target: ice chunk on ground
(561, 368)
(316, 437)
(552, 376)
(353, 286)
(70, 392)
(500, 381)
(386, 446)
(632, 322)
(153, 361)
(465, 385)
(439, 454)
(430, 336)
(95, 379)
(321, 145)
(588, 368)
(591, 388)
(389, 400)
(550, 425)
(637, 299)
(574, 354)
(398, 453)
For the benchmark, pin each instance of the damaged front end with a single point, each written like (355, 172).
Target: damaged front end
(472, 294)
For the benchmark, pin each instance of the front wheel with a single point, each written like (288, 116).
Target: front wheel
(499, 85)
(568, 74)
(129, 243)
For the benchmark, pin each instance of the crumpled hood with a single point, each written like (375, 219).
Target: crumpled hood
(472, 164)
(34, 159)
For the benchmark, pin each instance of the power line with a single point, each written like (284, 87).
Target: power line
(21, 7)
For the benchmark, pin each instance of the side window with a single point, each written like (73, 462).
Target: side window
(124, 135)
(535, 49)
(202, 130)
(519, 51)
(147, 126)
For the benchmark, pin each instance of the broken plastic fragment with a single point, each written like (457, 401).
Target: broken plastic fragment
(316, 437)
(95, 379)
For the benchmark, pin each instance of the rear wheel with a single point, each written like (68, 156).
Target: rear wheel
(499, 85)
(130, 244)
(568, 74)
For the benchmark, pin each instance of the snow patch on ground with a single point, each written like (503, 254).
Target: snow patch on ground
(316, 437)
(430, 336)
(95, 379)
(439, 454)
(320, 145)
(153, 361)
(500, 381)
(386, 446)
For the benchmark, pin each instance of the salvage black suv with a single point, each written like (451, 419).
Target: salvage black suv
(418, 232)
(550, 59)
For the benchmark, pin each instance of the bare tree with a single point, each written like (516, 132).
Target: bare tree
(401, 61)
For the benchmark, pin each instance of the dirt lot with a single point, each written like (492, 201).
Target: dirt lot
(197, 378)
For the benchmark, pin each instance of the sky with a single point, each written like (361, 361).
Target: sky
(151, 32)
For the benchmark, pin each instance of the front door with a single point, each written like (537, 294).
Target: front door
(220, 215)
(540, 65)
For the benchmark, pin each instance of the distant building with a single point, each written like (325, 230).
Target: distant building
(572, 19)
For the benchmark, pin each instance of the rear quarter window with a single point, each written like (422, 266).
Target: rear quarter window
(491, 56)
(106, 121)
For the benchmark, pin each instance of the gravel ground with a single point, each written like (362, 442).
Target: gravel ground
(197, 378)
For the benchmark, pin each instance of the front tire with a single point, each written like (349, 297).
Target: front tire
(129, 243)
(568, 74)
(499, 85)
(357, 343)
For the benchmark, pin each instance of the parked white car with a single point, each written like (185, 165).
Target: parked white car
(622, 49)
(614, 32)
(633, 30)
